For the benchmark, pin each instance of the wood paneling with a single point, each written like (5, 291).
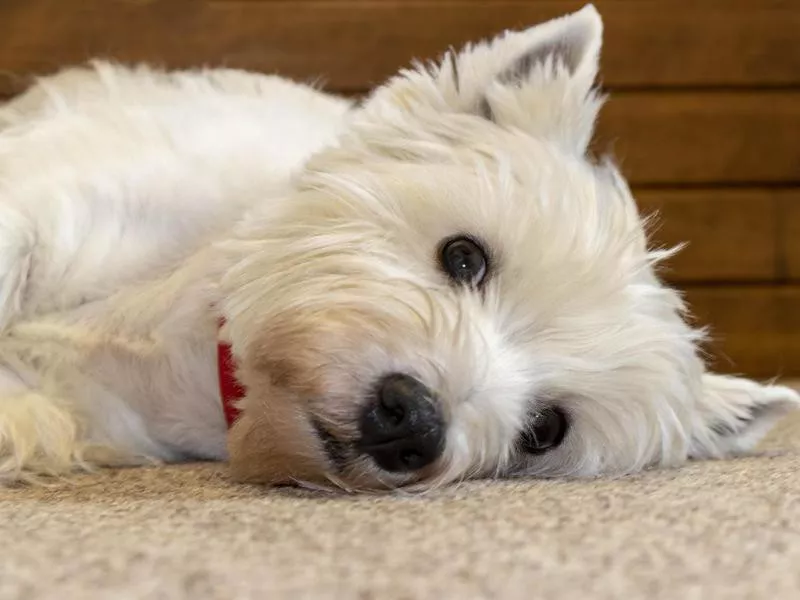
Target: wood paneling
(355, 45)
(756, 330)
(790, 235)
(732, 235)
(689, 152)
(704, 138)
(661, 138)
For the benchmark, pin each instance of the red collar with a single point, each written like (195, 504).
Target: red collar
(230, 390)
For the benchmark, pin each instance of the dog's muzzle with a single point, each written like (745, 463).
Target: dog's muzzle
(402, 428)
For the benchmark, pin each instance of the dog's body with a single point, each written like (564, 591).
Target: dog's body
(138, 209)
(113, 181)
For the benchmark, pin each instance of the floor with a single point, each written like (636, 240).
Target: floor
(726, 529)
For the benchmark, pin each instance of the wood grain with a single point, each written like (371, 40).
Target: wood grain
(662, 138)
(738, 125)
(704, 138)
(732, 235)
(790, 235)
(756, 329)
(358, 44)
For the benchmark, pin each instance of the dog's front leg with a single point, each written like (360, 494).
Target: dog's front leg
(45, 434)
(39, 433)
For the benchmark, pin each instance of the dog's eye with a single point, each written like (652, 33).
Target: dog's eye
(545, 431)
(464, 260)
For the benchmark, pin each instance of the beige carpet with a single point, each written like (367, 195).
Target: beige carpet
(710, 530)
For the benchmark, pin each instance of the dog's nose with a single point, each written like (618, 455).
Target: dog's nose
(402, 429)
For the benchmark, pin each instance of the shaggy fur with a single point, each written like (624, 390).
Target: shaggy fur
(137, 208)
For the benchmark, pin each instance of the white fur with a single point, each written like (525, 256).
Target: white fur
(138, 207)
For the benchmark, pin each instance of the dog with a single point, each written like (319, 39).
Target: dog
(435, 284)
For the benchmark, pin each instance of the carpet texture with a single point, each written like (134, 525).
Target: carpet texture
(709, 530)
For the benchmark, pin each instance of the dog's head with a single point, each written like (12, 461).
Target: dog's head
(457, 290)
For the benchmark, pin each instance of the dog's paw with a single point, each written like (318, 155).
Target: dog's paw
(43, 439)
(38, 437)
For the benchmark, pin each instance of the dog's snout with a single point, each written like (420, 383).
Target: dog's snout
(402, 428)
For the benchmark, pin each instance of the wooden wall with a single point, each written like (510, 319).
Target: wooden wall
(704, 114)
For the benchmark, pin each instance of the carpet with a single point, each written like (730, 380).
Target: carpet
(725, 529)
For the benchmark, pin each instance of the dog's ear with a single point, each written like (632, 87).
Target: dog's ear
(735, 414)
(540, 80)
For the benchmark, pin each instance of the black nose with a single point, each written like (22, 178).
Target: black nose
(402, 429)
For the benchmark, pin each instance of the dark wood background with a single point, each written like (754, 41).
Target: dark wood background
(704, 114)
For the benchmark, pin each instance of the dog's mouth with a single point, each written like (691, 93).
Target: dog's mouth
(339, 453)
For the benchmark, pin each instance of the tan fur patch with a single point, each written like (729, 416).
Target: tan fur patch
(273, 440)
(274, 443)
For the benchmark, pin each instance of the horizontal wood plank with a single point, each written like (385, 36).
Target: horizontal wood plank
(790, 237)
(755, 330)
(355, 45)
(731, 235)
(661, 138)
(704, 138)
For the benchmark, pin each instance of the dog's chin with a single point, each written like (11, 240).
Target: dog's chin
(279, 442)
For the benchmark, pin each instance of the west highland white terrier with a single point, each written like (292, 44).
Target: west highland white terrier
(436, 284)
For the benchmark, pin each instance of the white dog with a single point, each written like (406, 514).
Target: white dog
(437, 284)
